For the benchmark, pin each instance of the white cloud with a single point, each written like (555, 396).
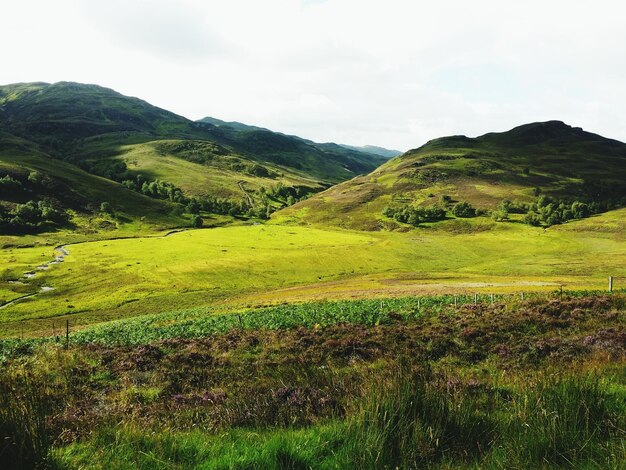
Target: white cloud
(393, 73)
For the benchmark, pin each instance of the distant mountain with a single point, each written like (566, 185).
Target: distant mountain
(330, 162)
(232, 124)
(381, 151)
(545, 158)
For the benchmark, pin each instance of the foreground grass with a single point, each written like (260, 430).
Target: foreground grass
(533, 384)
(407, 422)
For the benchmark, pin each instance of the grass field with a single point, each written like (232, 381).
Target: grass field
(264, 264)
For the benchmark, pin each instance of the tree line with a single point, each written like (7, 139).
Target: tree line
(544, 211)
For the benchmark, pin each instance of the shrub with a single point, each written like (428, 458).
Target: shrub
(463, 209)
(106, 208)
(197, 221)
(500, 215)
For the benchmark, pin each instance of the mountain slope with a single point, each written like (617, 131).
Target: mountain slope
(329, 162)
(549, 158)
(67, 187)
(123, 138)
(66, 112)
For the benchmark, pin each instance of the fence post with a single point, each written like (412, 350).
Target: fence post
(475, 299)
(418, 303)
(492, 298)
(455, 300)
(610, 283)
(522, 295)
(67, 334)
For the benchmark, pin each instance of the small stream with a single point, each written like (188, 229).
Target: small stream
(61, 252)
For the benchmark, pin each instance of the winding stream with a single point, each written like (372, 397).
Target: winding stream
(61, 252)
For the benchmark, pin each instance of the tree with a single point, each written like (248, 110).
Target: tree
(193, 207)
(35, 177)
(580, 210)
(463, 209)
(500, 215)
(532, 218)
(196, 221)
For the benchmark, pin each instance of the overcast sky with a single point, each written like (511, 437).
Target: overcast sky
(394, 73)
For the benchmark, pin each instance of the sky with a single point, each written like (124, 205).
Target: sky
(394, 73)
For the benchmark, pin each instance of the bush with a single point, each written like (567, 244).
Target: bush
(415, 215)
(106, 208)
(500, 215)
(463, 209)
(197, 221)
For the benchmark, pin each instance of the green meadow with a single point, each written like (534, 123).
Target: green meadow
(265, 264)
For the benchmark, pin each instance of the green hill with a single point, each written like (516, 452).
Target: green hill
(329, 162)
(90, 131)
(74, 196)
(550, 159)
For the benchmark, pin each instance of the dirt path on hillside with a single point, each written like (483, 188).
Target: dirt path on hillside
(250, 200)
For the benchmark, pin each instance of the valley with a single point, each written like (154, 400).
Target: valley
(211, 294)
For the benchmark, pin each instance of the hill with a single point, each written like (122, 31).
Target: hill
(39, 193)
(230, 170)
(549, 159)
(330, 162)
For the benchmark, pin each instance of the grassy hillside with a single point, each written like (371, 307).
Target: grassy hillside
(37, 176)
(550, 159)
(202, 168)
(329, 162)
(237, 170)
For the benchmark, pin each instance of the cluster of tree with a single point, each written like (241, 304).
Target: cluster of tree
(156, 189)
(31, 217)
(547, 211)
(194, 205)
(415, 215)
(11, 186)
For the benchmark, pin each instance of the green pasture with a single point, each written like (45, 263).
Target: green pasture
(247, 265)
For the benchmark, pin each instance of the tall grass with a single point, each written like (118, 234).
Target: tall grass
(412, 420)
(407, 419)
(564, 422)
(25, 404)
